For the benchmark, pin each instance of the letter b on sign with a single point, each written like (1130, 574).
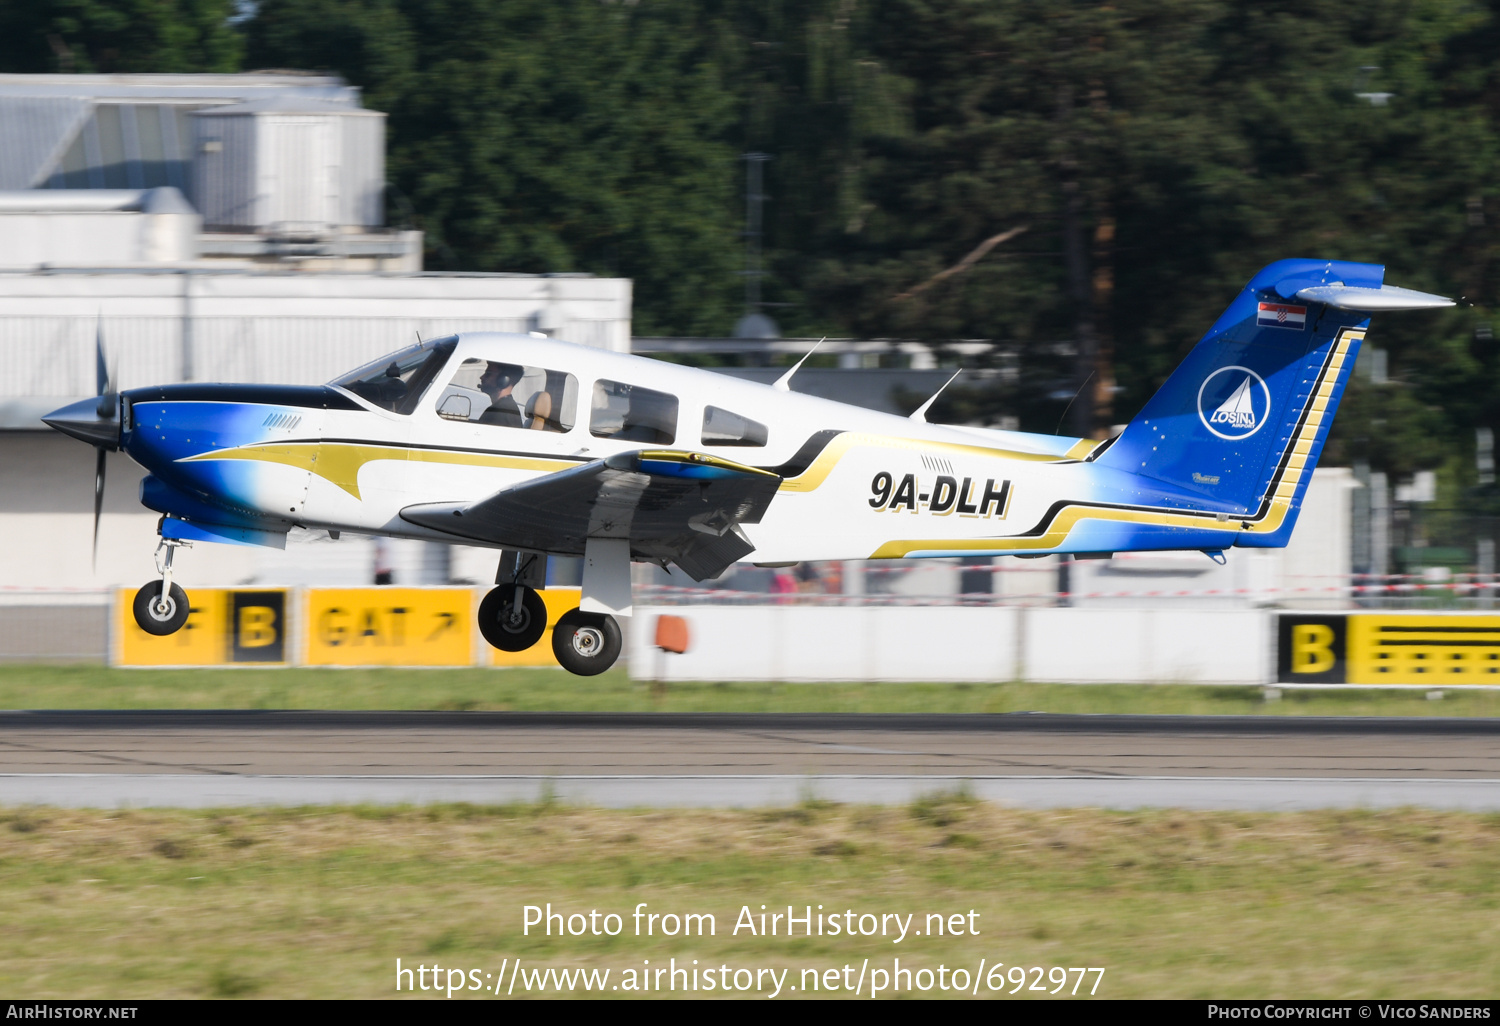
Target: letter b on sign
(1310, 649)
(257, 627)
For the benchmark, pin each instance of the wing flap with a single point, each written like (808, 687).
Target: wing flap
(672, 506)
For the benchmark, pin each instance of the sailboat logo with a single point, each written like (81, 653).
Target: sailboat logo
(1236, 411)
(1234, 402)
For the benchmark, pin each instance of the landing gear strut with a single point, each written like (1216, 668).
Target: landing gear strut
(587, 640)
(512, 617)
(161, 608)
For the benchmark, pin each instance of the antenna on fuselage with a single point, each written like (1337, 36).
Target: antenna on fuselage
(784, 383)
(920, 413)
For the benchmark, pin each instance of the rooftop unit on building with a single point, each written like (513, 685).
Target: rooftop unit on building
(126, 131)
(288, 166)
(287, 169)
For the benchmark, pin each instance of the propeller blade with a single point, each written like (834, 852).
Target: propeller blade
(103, 380)
(101, 369)
(98, 497)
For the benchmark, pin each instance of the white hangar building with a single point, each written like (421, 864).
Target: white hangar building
(212, 228)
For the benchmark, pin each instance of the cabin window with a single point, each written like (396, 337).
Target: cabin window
(629, 413)
(510, 395)
(398, 382)
(720, 427)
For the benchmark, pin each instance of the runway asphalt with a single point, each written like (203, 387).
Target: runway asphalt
(110, 759)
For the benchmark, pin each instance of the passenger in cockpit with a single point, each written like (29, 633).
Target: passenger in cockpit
(497, 382)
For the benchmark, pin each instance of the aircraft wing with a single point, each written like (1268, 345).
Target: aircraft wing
(677, 507)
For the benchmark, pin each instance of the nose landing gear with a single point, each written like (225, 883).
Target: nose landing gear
(161, 608)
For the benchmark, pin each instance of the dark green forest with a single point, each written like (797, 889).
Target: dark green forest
(1136, 162)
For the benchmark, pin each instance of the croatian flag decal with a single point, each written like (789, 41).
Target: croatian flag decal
(1279, 315)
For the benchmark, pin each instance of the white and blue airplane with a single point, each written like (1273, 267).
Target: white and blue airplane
(540, 448)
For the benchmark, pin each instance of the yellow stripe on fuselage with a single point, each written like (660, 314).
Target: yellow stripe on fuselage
(688, 458)
(1082, 448)
(1283, 488)
(829, 458)
(340, 462)
(1055, 535)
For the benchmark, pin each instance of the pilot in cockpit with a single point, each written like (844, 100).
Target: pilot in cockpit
(497, 382)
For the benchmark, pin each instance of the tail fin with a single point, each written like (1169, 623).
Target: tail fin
(1239, 426)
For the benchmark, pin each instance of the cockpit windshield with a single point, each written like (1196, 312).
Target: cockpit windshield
(397, 382)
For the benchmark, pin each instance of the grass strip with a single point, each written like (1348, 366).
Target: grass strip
(94, 687)
(321, 902)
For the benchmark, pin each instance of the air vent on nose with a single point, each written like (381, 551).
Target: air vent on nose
(282, 421)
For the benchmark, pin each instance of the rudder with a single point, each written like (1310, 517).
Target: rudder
(1238, 427)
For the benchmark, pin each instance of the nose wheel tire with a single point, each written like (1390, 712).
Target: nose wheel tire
(586, 643)
(509, 627)
(160, 614)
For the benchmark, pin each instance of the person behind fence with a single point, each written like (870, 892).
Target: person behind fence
(384, 572)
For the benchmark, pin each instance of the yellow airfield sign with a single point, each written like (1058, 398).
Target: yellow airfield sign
(388, 627)
(381, 626)
(1399, 649)
(558, 602)
(1389, 648)
(224, 626)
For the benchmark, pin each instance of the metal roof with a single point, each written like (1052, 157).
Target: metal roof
(34, 132)
(283, 104)
(145, 88)
(40, 115)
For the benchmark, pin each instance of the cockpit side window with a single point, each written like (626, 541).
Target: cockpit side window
(630, 413)
(510, 395)
(398, 382)
(720, 427)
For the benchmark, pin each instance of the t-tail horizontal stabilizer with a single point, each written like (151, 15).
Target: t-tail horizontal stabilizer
(1238, 427)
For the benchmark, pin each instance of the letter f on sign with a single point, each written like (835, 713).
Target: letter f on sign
(1312, 648)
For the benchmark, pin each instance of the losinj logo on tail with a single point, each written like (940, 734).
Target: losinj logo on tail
(1233, 402)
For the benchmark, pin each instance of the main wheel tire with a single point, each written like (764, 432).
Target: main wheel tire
(157, 616)
(510, 629)
(586, 643)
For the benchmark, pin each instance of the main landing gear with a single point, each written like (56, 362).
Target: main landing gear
(161, 608)
(586, 643)
(513, 617)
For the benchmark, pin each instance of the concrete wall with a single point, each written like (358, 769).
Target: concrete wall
(952, 643)
(57, 632)
(1198, 646)
(799, 643)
